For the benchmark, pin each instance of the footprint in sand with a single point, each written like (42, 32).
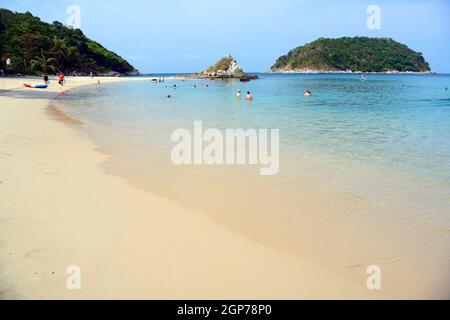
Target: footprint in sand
(34, 254)
(6, 154)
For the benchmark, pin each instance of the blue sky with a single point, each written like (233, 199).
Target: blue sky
(186, 36)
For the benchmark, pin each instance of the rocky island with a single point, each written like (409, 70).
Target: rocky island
(225, 68)
(352, 55)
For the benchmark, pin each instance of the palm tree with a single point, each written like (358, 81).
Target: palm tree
(29, 44)
(60, 51)
(44, 63)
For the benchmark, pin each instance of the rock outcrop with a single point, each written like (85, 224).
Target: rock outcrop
(225, 68)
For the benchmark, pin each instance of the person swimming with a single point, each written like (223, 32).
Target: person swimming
(238, 95)
(195, 86)
(169, 96)
(249, 96)
(308, 93)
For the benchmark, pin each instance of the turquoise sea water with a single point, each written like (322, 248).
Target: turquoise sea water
(385, 140)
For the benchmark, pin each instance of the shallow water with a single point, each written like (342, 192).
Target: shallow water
(398, 124)
(361, 161)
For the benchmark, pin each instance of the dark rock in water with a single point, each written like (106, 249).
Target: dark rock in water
(248, 78)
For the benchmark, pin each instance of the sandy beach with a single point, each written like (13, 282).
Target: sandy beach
(59, 208)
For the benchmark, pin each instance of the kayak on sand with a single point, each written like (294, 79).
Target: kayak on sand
(39, 86)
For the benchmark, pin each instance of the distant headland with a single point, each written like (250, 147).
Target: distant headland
(352, 55)
(32, 46)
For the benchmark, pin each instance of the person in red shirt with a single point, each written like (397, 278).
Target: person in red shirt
(61, 79)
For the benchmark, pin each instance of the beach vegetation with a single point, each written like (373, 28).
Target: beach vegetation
(222, 64)
(357, 54)
(43, 63)
(24, 39)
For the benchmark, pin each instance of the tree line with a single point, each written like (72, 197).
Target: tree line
(36, 47)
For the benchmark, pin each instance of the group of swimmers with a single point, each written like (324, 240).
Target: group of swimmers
(248, 97)
(195, 86)
(175, 88)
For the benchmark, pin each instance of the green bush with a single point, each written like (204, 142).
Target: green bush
(25, 38)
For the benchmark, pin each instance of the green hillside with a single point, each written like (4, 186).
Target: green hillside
(34, 47)
(359, 54)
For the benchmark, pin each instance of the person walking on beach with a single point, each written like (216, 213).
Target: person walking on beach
(249, 96)
(61, 79)
(46, 79)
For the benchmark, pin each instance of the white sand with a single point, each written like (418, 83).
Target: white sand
(58, 208)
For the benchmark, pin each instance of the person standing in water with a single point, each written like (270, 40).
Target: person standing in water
(238, 95)
(249, 96)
